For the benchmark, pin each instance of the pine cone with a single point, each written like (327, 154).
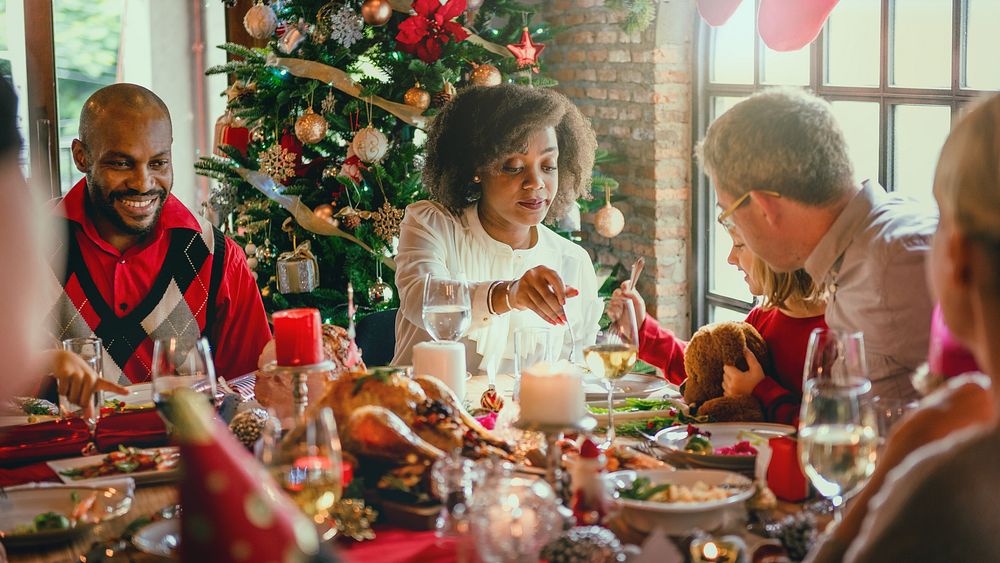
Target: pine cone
(444, 96)
(350, 221)
(798, 534)
(584, 544)
(247, 426)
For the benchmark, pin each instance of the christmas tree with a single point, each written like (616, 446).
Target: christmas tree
(322, 140)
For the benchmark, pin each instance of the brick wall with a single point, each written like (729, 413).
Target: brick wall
(636, 89)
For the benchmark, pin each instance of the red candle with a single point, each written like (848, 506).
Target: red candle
(298, 337)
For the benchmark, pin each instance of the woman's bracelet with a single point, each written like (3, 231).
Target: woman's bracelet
(489, 297)
(506, 294)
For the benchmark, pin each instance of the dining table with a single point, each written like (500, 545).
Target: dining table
(392, 543)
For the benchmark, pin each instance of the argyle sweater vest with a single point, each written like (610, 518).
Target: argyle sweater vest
(181, 302)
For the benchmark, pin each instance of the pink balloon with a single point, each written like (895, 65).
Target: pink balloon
(789, 25)
(717, 12)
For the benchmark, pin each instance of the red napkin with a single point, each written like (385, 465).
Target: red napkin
(31, 473)
(44, 440)
(233, 509)
(142, 428)
(489, 421)
(395, 545)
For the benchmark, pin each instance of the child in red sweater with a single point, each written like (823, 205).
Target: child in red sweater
(790, 309)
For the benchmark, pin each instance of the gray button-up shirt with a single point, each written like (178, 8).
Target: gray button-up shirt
(872, 264)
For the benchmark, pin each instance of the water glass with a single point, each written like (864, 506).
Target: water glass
(834, 354)
(180, 362)
(447, 311)
(531, 346)
(91, 350)
(888, 411)
(838, 436)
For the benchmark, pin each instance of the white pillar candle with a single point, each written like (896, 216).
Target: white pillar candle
(552, 394)
(444, 360)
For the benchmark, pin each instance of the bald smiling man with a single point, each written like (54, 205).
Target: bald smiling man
(139, 265)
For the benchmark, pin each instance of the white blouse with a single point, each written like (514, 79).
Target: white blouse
(434, 240)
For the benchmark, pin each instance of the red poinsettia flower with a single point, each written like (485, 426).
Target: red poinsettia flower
(425, 33)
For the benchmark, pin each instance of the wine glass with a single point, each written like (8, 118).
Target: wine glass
(835, 354)
(613, 355)
(180, 362)
(306, 463)
(838, 436)
(532, 345)
(91, 350)
(447, 310)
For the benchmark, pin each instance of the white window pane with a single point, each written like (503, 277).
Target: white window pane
(982, 69)
(785, 68)
(852, 43)
(860, 123)
(722, 104)
(732, 48)
(918, 134)
(14, 67)
(718, 314)
(921, 45)
(725, 279)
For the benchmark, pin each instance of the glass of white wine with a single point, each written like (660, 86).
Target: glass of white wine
(613, 355)
(835, 354)
(838, 436)
(306, 463)
(447, 311)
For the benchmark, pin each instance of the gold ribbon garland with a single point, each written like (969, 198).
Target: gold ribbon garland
(301, 212)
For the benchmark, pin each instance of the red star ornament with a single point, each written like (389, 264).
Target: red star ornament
(526, 52)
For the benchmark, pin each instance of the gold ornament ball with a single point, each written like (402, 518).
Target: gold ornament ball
(370, 144)
(485, 75)
(324, 211)
(376, 12)
(417, 97)
(260, 21)
(310, 127)
(609, 221)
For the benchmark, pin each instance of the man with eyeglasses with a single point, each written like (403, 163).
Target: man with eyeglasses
(784, 180)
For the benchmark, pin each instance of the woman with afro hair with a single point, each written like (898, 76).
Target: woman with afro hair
(500, 161)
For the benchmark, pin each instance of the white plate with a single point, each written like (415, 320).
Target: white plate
(141, 477)
(21, 419)
(22, 505)
(602, 418)
(159, 538)
(632, 385)
(724, 434)
(679, 518)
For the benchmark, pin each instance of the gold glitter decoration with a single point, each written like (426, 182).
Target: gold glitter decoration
(354, 519)
(277, 163)
(386, 221)
(329, 103)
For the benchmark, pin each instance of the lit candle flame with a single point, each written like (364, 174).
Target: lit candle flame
(710, 551)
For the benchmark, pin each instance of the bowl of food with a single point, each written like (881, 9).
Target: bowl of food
(731, 446)
(45, 515)
(679, 501)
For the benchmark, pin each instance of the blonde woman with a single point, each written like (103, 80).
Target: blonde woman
(788, 313)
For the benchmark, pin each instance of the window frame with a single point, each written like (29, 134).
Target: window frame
(886, 95)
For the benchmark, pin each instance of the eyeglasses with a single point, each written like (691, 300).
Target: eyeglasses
(726, 217)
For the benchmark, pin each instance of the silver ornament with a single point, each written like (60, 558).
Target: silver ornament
(370, 144)
(250, 249)
(380, 293)
(260, 21)
(252, 263)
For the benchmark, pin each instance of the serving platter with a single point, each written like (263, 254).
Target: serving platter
(61, 466)
(722, 434)
(22, 505)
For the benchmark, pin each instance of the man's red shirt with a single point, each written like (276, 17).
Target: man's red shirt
(125, 278)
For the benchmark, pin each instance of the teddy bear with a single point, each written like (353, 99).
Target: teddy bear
(712, 347)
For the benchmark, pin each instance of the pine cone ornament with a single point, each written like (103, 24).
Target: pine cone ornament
(351, 221)
(247, 426)
(444, 96)
(584, 544)
(797, 533)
